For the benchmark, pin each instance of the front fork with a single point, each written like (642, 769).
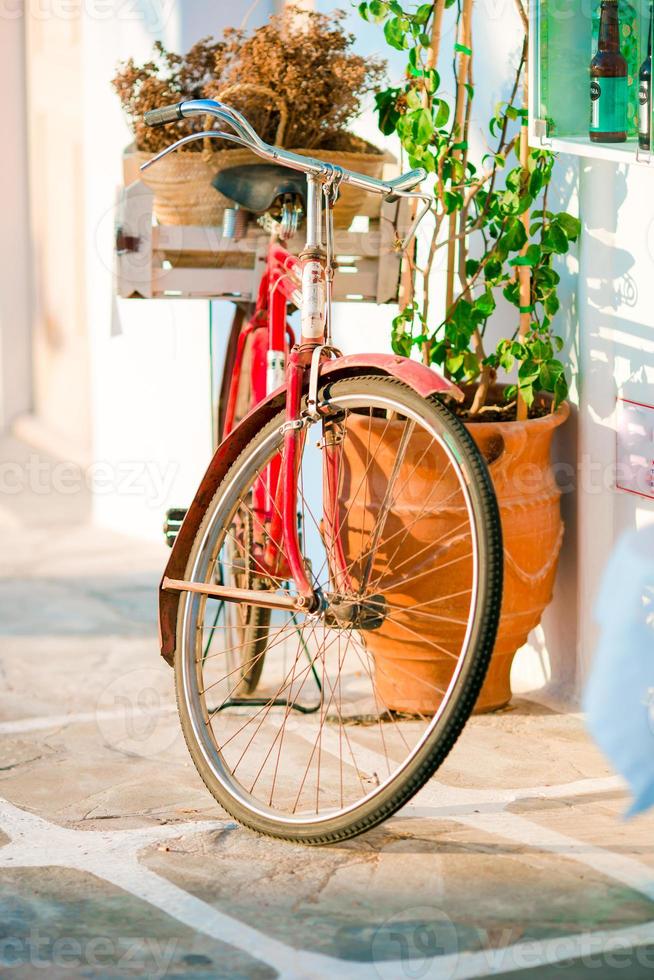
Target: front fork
(283, 547)
(283, 552)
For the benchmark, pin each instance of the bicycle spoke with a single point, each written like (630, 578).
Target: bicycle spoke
(394, 574)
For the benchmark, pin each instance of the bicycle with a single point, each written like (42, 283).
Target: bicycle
(332, 596)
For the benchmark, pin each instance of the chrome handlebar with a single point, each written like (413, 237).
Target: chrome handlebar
(245, 135)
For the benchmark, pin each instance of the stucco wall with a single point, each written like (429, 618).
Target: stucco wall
(15, 276)
(616, 343)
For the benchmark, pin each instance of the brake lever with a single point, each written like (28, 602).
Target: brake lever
(416, 196)
(210, 133)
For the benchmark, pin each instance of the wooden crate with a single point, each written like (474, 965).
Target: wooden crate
(167, 261)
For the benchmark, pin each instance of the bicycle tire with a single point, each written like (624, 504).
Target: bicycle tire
(456, 711)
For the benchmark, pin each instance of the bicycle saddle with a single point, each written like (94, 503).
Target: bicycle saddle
(257, 186)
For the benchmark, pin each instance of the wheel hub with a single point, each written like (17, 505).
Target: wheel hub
(355, 612)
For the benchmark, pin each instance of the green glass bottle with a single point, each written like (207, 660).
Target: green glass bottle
(608, 81)
(645, 93)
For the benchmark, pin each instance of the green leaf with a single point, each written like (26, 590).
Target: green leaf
(471, 365)
(485, 303)
(395, 33)
(560, 390)
(528, 372)
(512, 293)
(454, 363)
(423, 126)
(453, 201)
(555, 240)
(492, 269)
(552, 305)
(438, 352)
(413, 99)
(550, 373)
(423, 13)
(547, 276)
(510, 202)
(535, 254)
(536, 182)
(515, 236)
(378, 9)
(442, 115)
(433, 79)
(527, 392)
(387, 114)
(570, 225)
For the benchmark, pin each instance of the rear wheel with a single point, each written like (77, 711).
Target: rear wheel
(360, 702)
(247, 626)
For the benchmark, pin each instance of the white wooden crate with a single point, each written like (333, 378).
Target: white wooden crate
(167, 261)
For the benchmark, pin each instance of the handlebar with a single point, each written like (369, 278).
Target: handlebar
(165, 114)
(245, 135)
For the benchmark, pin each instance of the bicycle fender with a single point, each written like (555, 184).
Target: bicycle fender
(220, 463)
(415, 375)
(425, 380)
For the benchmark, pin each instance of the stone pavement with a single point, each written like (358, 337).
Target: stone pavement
(115, 861)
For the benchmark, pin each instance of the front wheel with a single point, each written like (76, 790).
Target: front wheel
(360, 701)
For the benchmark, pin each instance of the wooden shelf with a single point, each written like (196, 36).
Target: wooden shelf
(168, 261)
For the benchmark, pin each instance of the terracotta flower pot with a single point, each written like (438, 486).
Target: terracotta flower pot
(414, 659)
(529, 500)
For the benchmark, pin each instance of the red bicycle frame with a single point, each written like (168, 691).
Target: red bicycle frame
(275, 361)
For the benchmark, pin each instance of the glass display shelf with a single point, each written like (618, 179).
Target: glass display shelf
(563, 40)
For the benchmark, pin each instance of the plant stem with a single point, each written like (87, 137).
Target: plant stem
(524, 271)
(436, 26)
(465, 39)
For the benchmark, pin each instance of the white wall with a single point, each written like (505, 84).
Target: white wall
(15, 305)
(616, 331)
(150, 386)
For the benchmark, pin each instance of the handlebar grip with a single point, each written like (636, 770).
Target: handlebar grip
(165, 114)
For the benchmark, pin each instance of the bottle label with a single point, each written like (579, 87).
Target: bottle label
(608, 105)
(643, 109)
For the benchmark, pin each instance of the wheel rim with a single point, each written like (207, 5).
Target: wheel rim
(248, 748)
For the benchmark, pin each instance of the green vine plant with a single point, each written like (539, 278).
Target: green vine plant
(492, 215)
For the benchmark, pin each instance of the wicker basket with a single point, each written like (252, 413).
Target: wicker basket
(181, 184)
(184, 195)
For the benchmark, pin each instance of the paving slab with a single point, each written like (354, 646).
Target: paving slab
(115, 861)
